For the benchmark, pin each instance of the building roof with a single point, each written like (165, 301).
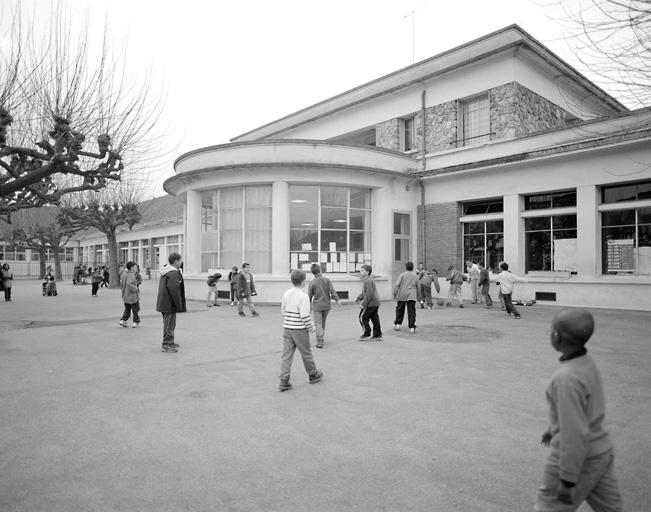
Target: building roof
(509, 37)
(160, 210)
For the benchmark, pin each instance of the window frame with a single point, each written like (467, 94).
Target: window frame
(462, 104)
(405, 122)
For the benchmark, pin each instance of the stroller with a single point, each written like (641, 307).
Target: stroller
(49, 286)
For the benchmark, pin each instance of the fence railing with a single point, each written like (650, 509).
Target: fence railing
(32, 269)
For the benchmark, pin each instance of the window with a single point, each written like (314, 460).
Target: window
(551, 200)
(407, 134)
(330, 226)
(550, 243)
(626, 241)
(484, 207)
(626, 192)
(473, 125)
(483, 242)
(236, 228)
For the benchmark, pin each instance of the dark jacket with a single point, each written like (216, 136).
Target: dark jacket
(369, 296)
(171, 291)
(212, 279)
(242, 287)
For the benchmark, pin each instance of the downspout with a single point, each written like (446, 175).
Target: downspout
(420, 180)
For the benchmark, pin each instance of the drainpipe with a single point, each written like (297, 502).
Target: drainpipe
(420, 180)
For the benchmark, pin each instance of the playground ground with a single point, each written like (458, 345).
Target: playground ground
(94, 417)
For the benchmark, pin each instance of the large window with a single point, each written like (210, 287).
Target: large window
(626, 241)
(330, 226)
(626, 192)
(236, 228)
(562, 199)
(483, 242)
(550, 243)
(473, 121)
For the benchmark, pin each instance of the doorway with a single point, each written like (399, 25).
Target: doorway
(401, 243)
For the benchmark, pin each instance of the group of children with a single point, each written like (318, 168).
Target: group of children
(242, 289)
(580, 466)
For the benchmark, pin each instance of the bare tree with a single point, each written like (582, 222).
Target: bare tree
(39, 229)
(107, 211)
(68, 122)
(612, 41)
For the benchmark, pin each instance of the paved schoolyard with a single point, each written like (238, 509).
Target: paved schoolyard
(94, 417)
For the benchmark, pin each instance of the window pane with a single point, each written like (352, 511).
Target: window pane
(537, 224)
(334, 196)
(618, 218)
(494, 251)
(359, 241)
(564, 221)
(538, 202)
(644, 190)
(257, 197)
(618, 246)
(303, 217)
(494, 226)
(473, 248)
(360, 219)
(401, 249)
(360, 198)
(401, 224)
(482, 207)
(336, 237)
(561, 199)
(301, 196)
(473, 228)
(619, 193)
(333, 218)
(476, 120)
(644, 215)
(538, 254)
(298, 237)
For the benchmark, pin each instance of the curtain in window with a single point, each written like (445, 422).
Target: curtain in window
(257, 228)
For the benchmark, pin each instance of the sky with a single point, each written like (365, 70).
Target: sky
(229, 66)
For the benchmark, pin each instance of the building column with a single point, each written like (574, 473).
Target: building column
(587, 231)
(382, 231)
(192, 255)
(513, 241)
(280, 228)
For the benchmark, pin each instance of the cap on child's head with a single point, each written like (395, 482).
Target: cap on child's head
(574, 325)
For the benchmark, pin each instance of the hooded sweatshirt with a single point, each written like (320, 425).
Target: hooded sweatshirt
(171, 291)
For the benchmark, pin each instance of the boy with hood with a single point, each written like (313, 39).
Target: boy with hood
(171, 299)
(406, 290)
(245, 290)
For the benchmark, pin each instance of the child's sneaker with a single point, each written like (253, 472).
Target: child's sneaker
(232, 303)
(136, 325)
(517, 317)
(242, 313)
(169, 348)
(364, 338)
(209, 305)
(412, 330)
(255, 313)
(396, 327)
(461, 306)
(377, 338)
(316, 377)
(284, 385)
(123, 323)
(216, 305)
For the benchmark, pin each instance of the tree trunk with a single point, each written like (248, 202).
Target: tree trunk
(57, 264)
(113, 262)
(41, 262)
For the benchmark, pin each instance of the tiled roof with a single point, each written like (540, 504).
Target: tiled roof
(160, 210)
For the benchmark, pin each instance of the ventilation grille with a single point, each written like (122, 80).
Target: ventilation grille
(548, 296)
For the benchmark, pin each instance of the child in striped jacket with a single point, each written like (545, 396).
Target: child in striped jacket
(297, 326)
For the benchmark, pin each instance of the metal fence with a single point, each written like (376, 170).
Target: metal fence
(32, 269)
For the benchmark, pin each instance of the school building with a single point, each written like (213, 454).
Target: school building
(494, 150)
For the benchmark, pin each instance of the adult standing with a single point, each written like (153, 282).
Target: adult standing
(130, 295)
(406, 290)
(245, 290)
(321, 292)
(473, 276)
(171, 299)
(7, 281)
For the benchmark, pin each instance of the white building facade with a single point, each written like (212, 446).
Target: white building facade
(495, 150)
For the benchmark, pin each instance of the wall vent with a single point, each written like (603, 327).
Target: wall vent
(548, 296)
(342, 295)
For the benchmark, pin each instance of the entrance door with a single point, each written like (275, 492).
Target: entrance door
(401, 243)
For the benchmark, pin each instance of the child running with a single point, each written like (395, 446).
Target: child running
(297, 325)
(506, 280)
(580, 464)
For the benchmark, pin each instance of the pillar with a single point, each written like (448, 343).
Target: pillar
(382, 231)
(587, 231)
(513, 240)
(192, 256)
(280, 228)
